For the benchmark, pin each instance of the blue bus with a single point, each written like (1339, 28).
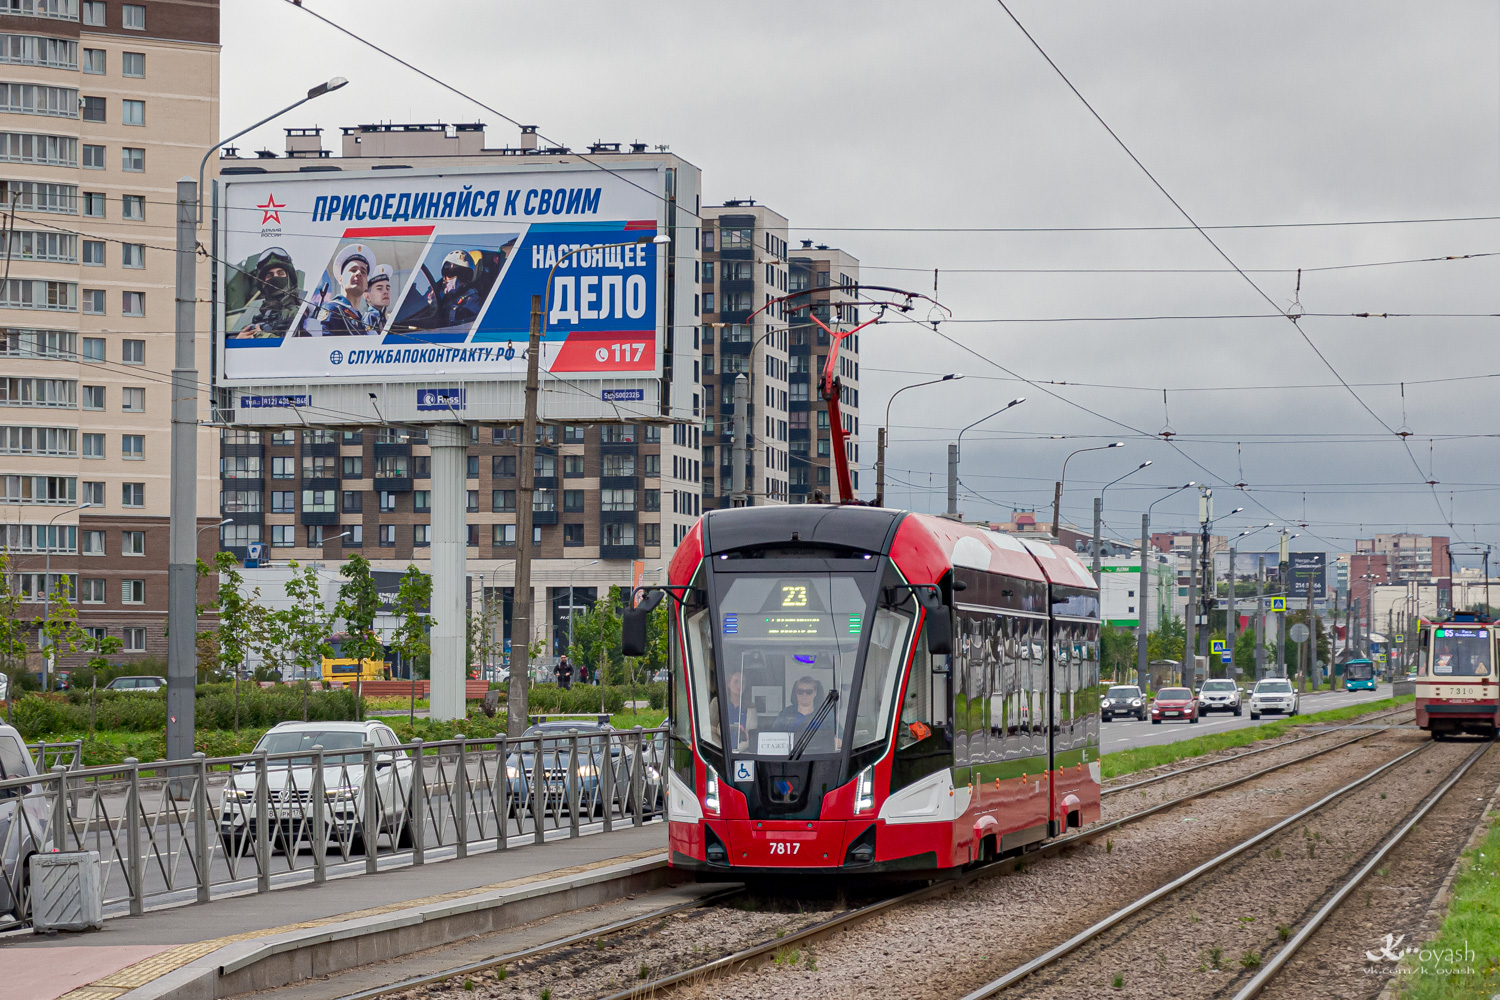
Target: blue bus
(1359, 675)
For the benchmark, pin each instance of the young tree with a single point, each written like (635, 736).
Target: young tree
(241, 617)
(63, 635)
(1116, 652)
(15, 629)
(358, 605)
(413, 620)
(297, 635)
(1167, 642)
(596, 639)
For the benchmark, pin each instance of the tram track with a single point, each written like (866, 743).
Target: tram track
(788, 941)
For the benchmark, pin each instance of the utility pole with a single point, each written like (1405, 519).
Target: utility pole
(1145, 605)
(182, 569)
(1260, 617)
(1098, 516)
(1286, 595)
(1206, 591)
(880, 468)
(1230, 620)
(741, 429)
(517, 703)
(953, 484)
(1190, 646)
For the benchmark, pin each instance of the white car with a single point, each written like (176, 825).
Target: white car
(1219, 696)
(289, 788)
(1274, 694)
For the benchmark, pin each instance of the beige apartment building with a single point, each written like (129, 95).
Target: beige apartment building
(104, 105)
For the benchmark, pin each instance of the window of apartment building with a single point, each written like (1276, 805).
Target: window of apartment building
(391, 467)
(133, 399)
(354, 536)
(132, 303)
(93, 207)
(421, 466)
(93, 253)
(283, 536)
(133, 159)
(504, 534)
(651, 534)
(93, 494)
(421, 501)
(133, 64)
(93, 157)
(617, 534)
(502, 501)
(545, 466)
(133, 207)
(92, 397)
(93, 13)
(93, 445)
(133, 639)
(503, 467)
(708, 302)
(544, 500)
(387, 502)
(132, 543)
(132, 591)
(573, 466)
(283, 437)
(133, 254)
(653, 500)
(133, 17)
(572, 534)
(319, 467)
(240, 501)
(708, 240)
(133, 447)
(573, 501)
(352, 437)
(471, 501)
(283, 467)
(617, 500)
(505, 435)
(353, 502)
(238, 535)
(354, 467)
(618, 465)
(471, 467)
(652, 464)
(91, 301)
(92, 543)
(387, 535)
(93, 349)
(319, 501)
(132, 112)
(421, 535)
(93, 62)
(573, 434)
(132, 494)
(239, 467)
(91, 109)
(315, 536)
(618, 434)
(91, 590)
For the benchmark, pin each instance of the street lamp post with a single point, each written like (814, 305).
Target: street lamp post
(47, 592)
(1231, 620)
(1206, 591)
(1140, 631)
(1099, 510)
(953, 456)
(1282, 544)
(884, 434)
(571, 606)
(1063, 478)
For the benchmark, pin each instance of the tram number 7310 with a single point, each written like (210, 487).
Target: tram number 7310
(784, 847)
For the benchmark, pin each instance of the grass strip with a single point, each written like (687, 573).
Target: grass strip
(1463, 960)
(1145, 758)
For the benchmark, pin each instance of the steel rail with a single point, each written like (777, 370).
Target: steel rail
(1248, 753)
(1283, 956)
(1126, 912)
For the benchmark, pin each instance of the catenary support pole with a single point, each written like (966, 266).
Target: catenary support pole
(880, 467)
(449, 444)
(1098, 516)
(953, 481)
(1145, 605)
(1260, 617)
(1190, 616)
(1231, 620)
(520, 630)
(182, 560)
(738, 453)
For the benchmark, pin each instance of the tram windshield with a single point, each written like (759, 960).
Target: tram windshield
(1461, 651)
(787, 657)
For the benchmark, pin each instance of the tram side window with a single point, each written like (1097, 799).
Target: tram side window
(924, 743)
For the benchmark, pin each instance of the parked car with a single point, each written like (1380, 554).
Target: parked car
(1176, 703)
(1273, 694)
(137, 682)
(1219, 696)
(1122, 699)
(289, 786)
(23, 824)
(556, 755)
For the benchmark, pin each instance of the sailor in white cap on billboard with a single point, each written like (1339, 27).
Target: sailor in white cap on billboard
(378, 297)
(344, 314)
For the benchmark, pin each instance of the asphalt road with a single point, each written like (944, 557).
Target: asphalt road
(1125, 734)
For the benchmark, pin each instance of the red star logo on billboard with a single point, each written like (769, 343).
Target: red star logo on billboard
(269, 211)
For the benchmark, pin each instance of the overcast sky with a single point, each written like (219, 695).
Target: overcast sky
(861, 119)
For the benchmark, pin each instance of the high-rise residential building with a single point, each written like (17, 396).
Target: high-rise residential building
(832, 275)
(103, 106)
(1410, 558)
(609, 496)
(744, 267)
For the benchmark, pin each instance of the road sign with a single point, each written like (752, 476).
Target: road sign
(1226, 658)
(1278, 604)
(1298, 632)
(1216, 645)
(1400, 638)
(1379, 657)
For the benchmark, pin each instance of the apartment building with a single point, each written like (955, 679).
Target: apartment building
(832, 275)
(103, 106)
(612, 498)
(1409, 558)
(744, 267)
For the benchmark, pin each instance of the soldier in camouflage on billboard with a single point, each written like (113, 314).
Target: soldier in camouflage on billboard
(278, 296)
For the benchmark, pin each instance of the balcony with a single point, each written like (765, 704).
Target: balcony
(619, 552)
(619, 482)
(401, 485)
(320, 517)
(617, 517)
(385, 450)
(328, 450)
(544, 483)
(320, 483)
(540, 518)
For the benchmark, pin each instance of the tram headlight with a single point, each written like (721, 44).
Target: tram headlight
(864, 790)
(711, 790)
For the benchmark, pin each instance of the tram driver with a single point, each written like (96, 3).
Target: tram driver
(807, 698)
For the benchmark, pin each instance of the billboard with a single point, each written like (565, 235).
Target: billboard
(427, 275)
(1306, 568)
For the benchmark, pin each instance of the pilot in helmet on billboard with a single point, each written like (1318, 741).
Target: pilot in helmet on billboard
(277, 296)
(456, 299)
(344, 314)
(378, 297)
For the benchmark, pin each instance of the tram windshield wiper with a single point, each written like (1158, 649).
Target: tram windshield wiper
(814, 724)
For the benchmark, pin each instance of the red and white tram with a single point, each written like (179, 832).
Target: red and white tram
(1456, 687)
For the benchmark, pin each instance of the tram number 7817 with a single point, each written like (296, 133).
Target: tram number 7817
(784, 847)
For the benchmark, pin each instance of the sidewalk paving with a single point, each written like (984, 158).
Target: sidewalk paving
(134, 951)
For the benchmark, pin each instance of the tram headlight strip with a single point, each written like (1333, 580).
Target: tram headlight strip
(711, 791)
(864, 791)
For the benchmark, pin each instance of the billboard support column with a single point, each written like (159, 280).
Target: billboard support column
(517, 698)
(182, 560)
(449, 443)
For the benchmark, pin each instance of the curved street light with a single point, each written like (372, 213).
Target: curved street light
(1057, 494)
(954, 451)
(1099, 510)
(1145, 587)
(884, 434)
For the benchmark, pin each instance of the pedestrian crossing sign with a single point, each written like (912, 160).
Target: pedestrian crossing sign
(1278, 604)
(1400, 638)
(1217, 646)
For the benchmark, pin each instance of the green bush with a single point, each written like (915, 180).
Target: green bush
(141, 712)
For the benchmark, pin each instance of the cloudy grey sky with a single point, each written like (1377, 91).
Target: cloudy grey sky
(868, 122)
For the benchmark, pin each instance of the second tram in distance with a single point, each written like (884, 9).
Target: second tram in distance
(1456, 687)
